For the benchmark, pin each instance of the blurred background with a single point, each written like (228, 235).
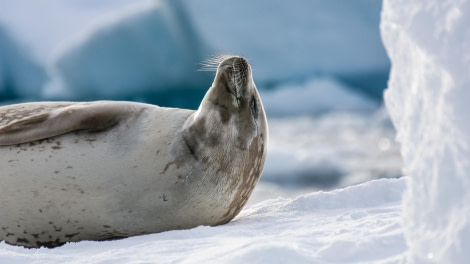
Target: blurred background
(320, 67)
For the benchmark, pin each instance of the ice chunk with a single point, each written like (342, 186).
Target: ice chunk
(428, 99)
(287, 40)
(20, 76)
(153, 49)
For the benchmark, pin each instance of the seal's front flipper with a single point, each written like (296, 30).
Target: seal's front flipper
(59, 119)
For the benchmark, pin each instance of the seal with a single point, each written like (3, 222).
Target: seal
(104, 170)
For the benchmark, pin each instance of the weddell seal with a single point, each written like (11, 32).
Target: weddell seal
(106, 170)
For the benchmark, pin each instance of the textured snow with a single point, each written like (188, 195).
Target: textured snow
(428, 99)
(358, 224)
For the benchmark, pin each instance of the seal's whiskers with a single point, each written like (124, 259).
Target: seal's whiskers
(212, 63)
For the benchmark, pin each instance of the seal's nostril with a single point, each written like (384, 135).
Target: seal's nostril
(241, 71)
(240, 65)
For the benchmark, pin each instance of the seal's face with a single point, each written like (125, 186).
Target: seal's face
(234, 94)
(231, 114)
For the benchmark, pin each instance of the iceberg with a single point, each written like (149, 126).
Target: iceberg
(150, 50)
(20, 76)
(428, 97)
(287, 41)
(313, 97)
(143, 54)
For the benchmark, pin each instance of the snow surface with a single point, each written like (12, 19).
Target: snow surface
(358, 224)
(428, 98)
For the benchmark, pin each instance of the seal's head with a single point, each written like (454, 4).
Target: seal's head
(224, 142)
(234, 77)
(231, 114)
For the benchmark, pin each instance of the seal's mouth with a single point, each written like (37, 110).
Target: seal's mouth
(241, 70)
(237, 73)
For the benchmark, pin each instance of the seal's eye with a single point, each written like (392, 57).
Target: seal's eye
(254, 108)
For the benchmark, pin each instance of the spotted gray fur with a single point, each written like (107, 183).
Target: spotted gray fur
(108, 170)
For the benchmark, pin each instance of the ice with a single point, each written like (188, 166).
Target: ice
(331, 150)
(146, 51)
(357, 224)
(287, 40)
(135, 49)
(111, 50)
(315, 96)
(428, 97)
(324, 134)
(46, 26)
(20, 76)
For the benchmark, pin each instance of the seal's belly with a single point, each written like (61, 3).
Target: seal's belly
(78, 186)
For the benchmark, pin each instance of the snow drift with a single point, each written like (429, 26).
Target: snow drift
(428, 97)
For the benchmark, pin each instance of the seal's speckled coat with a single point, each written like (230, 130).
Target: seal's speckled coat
(105, 170)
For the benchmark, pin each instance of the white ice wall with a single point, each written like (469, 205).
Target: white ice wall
(428, 97)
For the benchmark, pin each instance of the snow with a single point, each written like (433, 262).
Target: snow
(358, 224)
(428, 43)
